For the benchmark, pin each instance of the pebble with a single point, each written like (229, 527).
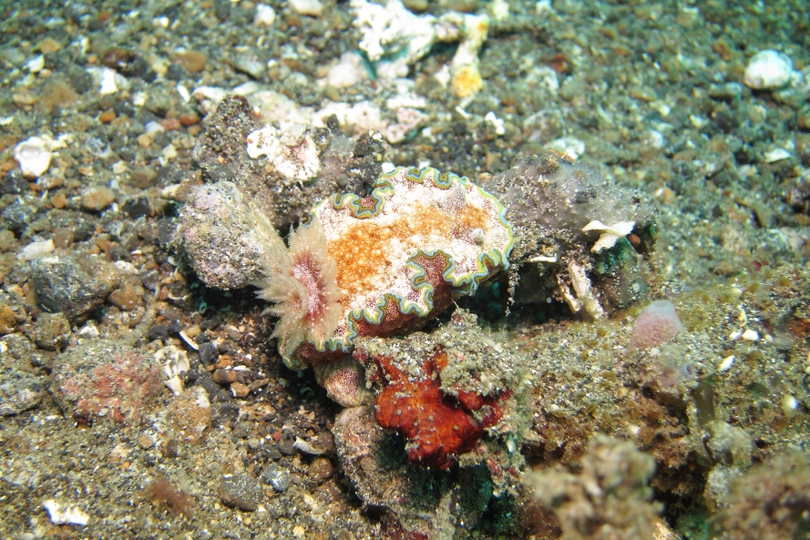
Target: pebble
(36, 249)
(313, 8)
(190, 414)
(321, 470)
(768, 69)
(96, 199)
(727, 91)
(61, 285)
(192, 61)
(265, 15)
(241, 491)
(52, 331)
(277, 476)
(19, 391)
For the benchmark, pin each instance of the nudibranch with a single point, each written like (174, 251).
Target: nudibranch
(382, 264)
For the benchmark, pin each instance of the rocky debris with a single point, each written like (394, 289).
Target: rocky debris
(241, 491)
(19, 391)
(61, 285)
(277, 476)
(190, 414)
(102, 379)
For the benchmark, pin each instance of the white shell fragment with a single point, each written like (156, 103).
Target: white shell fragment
(303, 446)
(610, 233)
(768, 69)
(726, 363)
(175, 363)
(33, 156)
(750, 335)
(775, 155)
(65, 515)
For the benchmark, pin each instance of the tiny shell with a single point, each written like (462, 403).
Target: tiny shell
(33, 156)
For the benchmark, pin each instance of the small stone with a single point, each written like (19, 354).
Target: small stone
(321, 470)
(190, 414)
(241, 491)
(106, 117)
(224, 376)
(277, 476)
(36, 249)
(768, 69)
(59, 200)
(727, 91)
(287, 444)
(242, 430)
(126, 297)
(192, 61)
(53, 331)
(19, 391)
(313, 8)
(145, 441)
(143, 177)
(265, 15)
(239, 390)
(62, 285)
(96, 199)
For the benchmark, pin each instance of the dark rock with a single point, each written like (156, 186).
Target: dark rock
(17, 216)
(61, 285)
(241, 491)
(208, 353)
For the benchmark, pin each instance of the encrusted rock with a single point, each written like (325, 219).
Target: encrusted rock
(104, 379)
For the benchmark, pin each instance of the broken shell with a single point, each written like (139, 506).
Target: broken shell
(33, 156)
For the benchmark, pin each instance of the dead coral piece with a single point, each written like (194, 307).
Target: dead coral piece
(608, 499)
(770, 502)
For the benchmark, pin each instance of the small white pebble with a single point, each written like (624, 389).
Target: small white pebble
(36, 249)
(184, 93)
(495, 122)
(735, 335)
(36, 64)
(790, 405)
(108, 83)
(768, 69)
(726, 363)
(313, 8)
(265, 15)
(33, 156)
(750, 335)
(775, 155)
